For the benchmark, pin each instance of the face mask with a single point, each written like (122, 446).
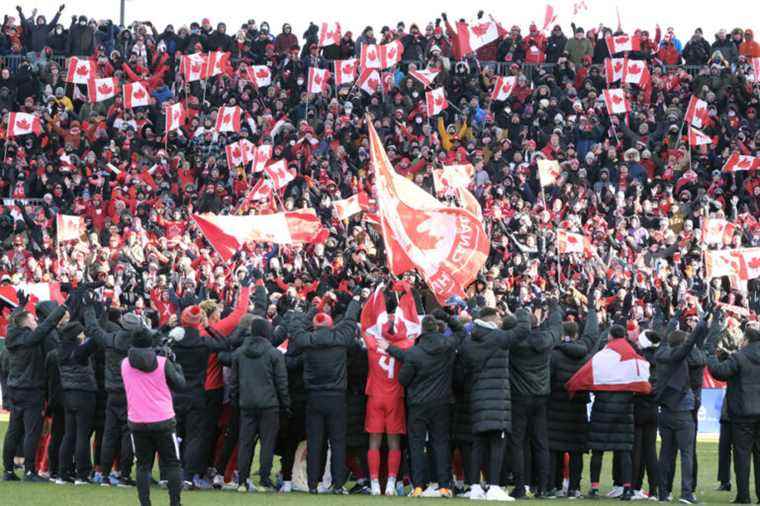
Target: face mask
(418, 120)
(299, 81)
(83, 23)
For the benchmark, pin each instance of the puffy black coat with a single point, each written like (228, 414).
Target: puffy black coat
(192, 353)
(81, 40)
(36, 36)
(567, 416)
(74, 365)
(116, 345)
(741, 371)
(324, 349)
(488, 354)
(461, 387)
(529, 358)
(356, 400)
(27, 350)
(259, 376)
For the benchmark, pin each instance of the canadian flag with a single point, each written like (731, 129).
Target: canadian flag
(741, 263)
(260, 158)
(636, 72)
(345, 71)
(616, 368)
(249, 150)
(42, 292)
(370, 57)
(451, 177)
(217, 63)
(614, 69)
(369, 81)
(620, 43)
(317, 80)
(22, 123)
(280, 174)
(615, 101)
(259, 75)
(228, 234)
(737, 162)
(135, 95)
(390, 54)
(193, 66)
(468, 202)
(503, 87)
(69, 228)
(568, 242)
(350, 206)
(435, 100)
(80, 70)
(698, 137)
(175, 116)
(262, 190)
(235, 157)
(696, 113)
(548, 172)
(99, 90)
(426, 77)
(480, 33)
(228, 119)
(717, 231)
(329, 34)
(374, 318)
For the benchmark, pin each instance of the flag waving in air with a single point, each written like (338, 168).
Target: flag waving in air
(22, 123)
(175, 116)
(622, 43)
(569, 242)
(99, 90)
(548, 172)
(737, 162)
(317, 80)
(329, 34)
(369, 81)
(135, 95)
(259, 75)
(345, 71)
(228, 119)
(426, 77)
(193, 66)
(616, 368)
(370, 57)
(280, 174)
(390, 54)
(503, 87)
(69, 228)
(435, 100)
(614, 69)
(80, 70)
(636, 72)
(698, 137)
(616, 102)
(696, 113)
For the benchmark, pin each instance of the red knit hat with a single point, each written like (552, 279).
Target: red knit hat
(192, 316)
(322, 320)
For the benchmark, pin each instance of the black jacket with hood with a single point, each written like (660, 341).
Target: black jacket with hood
(741, 372)
(116, 345)
(529, 358)
(75, 366)
(145, 360)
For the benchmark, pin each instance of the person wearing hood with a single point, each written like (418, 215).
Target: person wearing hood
(79, 389)
(486, 354)
(260, 384)
(324, 375)
(741, 371)
(749, 47)
(567, 415)
(27, 343)
(426, 373)
(285, 40)
(148, 382)
(36, 32)
(81, 37)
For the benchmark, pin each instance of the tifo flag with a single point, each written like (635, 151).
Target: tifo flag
(622, 43)
(135, 95)
(737, 162)
(329, 34)
(69, 228)
(228, 234)
(448, 246)
(22, 123)
(698, 137)
(99, 90)
(228, 119)
(503, 87)
(350, 206)
(615, 101)
(370, 57)
(451, 177)
(636, 72)
(217, 63)
(175, 116)
(435, 100)
(696, 113)
(426, 77)
(614, 69)
(317, 80)
(193, 66)
(742, 263)
(374, 317)
(548, 172)
(616, 368)
(280, 174)
(345, 71)
(369, 81)
(390, 54)
(80, 70)
(260, 75)
(568, 242)
(717, 231)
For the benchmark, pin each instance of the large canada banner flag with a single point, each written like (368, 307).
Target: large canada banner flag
(446, 245)
(615, 368)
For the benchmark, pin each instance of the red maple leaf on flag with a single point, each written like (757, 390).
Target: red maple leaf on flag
(480, 29)
(507, 87)
(83, 70)
(621, 39)
(616, 99)
(104, 89)
(317, 78)
(391, 53)
(262, 73)
(236, 152)
(138, 94)
(618, 66)
(226, 118)
(743, 163)
(195, 68)
(571, 239)
(371, 54)
(372, 83)
(634, 69)
(754, 263)
(439, 101)
(23, 124)
(348, 68)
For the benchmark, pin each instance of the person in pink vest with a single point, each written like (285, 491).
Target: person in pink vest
(148, 381)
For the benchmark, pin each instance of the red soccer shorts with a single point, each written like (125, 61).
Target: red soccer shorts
(385, 415)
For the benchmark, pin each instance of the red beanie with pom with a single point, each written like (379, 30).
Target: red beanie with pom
(192, 316)
(322, 320)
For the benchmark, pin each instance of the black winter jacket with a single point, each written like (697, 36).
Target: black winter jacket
(27, 350)
(116, 345)
(192, 353)
(529, 358)
(75, 367)
(741, 371)
(259, 376)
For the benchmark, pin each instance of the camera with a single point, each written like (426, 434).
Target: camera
(175, 335)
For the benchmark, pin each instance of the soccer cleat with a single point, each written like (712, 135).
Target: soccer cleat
(724, 487)
(266, 485)
(574, 494)
(432, 492)
(82, 481)
(32, 477)
(61, 481)
(201, 483)
(477, 493)
(246, 487)
(218, 481)
(593, 494)
(496, 493)
(446, 493)
(615, 492)
(375, 488)
(626, 495)
(287, 487)
(688, 499)
(340, 491)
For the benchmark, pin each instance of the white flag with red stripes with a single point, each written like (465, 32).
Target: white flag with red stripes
(696, 113)
(636, 72)
(22, 123)
(228, 119)
(193, 66)
(259, 75)
(80, 70)
(623, 43)
(280, 174)
(616, 102)
(390, 53)
(451, 177)
(370, 57)
(217, 62)
(698, 137)
(614, 69)
(99, 90)
(426, 77)
(262, 190)
(175, 116)
(135, 95)
(345, 71)
(741, 263)
(737, 162)
(374, 317)
(329, 34)
(717, 231)
(503, 87)
(317, 80)
(369, 81)
(435, 100)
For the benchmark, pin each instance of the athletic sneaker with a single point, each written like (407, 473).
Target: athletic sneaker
(287, 487)
(61, 481)
(10, 476)
(416, 492)
(615, 492)
(82, 481)
(31, 477)
(98, 478)
(266, 485)
(477, 493)
(218, 481)
(340, 491)
(246, 487)
(445, 492)
(496, 493)
(390, 487)
(574, 494)
(688, 499)
(375, 488)
(201, 483)
(639, 495)
(432, 492)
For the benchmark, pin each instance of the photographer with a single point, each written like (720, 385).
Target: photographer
(148, 382)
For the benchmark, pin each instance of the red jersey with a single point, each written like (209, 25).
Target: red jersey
(382, 379)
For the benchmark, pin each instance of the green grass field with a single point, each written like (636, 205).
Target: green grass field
(20, 494)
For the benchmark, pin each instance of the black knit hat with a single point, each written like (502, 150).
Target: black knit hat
(617, 331)
(141, 338)
(71, 331)
(261, 328)
(429, 324)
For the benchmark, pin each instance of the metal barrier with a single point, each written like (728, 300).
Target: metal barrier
(12, 61)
